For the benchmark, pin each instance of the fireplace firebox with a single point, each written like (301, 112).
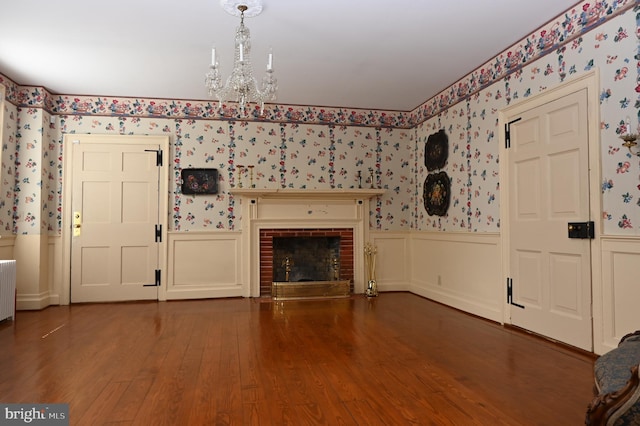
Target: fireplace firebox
(304, 256)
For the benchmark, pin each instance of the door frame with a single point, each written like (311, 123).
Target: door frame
(163, 201)
(591, 82)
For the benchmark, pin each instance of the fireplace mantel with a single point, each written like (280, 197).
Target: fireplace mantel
(336, 194)
(287, 208)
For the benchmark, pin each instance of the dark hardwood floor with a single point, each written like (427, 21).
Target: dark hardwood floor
(396, 359)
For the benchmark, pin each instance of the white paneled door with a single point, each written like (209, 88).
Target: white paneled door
(115, 207)
(548, 171)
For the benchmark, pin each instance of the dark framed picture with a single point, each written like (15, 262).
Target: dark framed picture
(199, 181)
(437, 193)
(436, 151)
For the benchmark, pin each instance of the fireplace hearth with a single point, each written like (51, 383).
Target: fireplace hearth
(310, 289)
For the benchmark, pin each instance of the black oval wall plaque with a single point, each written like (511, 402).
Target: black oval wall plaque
(437, 193)
(436, 151)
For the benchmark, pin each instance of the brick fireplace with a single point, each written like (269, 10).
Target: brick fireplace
(283, 212)
(267, 266)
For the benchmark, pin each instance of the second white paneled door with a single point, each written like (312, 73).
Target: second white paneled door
(548, 188)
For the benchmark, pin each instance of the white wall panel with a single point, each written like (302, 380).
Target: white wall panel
(620, 291)
(461, 270)
(204, 265)
(392, 260)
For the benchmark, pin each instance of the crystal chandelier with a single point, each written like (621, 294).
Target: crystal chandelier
(241, 85)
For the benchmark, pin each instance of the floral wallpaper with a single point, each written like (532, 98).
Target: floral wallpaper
(287, 155)
(315, 147)
(8, 168)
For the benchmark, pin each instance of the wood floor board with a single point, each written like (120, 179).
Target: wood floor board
(392, 360)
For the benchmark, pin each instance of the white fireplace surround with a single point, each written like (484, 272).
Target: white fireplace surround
(302, 208)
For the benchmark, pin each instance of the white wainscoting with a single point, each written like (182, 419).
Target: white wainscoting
(393, 272)
(204, 265)
(619, 309)
(55, 269)
(32, 285)
(461, 270)
(6, 246)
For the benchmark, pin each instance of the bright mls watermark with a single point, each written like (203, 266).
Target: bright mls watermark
(34, 414)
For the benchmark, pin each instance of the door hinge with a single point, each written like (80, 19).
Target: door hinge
(158, 156)
(158, 279)
(510, 294)
(507, 132)
(158, 233)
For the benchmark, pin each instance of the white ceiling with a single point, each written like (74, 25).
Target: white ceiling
(376, 54)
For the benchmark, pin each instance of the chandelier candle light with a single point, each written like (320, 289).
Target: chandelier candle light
(241, 85)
